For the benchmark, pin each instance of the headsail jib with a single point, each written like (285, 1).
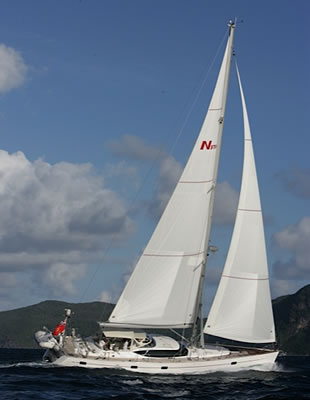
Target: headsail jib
(242, 309)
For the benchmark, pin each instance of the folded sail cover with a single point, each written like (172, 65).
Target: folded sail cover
(162, 290)
(242, 306)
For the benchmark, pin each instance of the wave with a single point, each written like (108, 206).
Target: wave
(31, 364)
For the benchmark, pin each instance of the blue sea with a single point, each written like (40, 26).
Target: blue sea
(24, 376)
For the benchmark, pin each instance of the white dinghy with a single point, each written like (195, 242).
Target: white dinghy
(165, 288)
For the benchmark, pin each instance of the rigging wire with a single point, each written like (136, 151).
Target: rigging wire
(196, 92)
(130, 208)
(205, 77)
(111, 241)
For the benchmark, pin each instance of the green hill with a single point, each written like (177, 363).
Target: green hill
(18, 326)
(292, 320)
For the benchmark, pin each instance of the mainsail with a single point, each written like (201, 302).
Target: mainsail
(241, 309)
(163, 288)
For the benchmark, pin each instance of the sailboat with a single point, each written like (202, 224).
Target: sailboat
(166, 287)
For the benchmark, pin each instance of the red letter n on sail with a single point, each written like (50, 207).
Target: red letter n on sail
(206, 145)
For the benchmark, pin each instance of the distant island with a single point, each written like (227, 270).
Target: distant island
(291, 312)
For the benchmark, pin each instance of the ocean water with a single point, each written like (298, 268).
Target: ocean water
(24, 376)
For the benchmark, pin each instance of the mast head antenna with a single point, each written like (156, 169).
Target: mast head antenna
(231, 24)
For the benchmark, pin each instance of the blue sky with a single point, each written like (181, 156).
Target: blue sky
(93, 96)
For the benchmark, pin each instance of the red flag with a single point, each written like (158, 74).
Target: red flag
(59, 328)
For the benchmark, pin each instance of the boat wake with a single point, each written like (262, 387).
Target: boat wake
(132, 382)
(33, 364)
(279, 367)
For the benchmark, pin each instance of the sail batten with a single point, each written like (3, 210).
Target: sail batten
(241, 309)
(210, 180)
(251, 279)
(249, 210)
(173, 255)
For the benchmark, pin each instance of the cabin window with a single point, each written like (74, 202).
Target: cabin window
(83, 362)
(234, 363)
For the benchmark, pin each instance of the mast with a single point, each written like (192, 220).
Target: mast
(198, 316)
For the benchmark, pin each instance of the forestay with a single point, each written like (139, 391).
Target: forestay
(242, 308)
(162, 290)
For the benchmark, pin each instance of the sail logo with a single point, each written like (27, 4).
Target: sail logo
(207, 145)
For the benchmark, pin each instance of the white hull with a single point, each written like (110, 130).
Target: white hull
(179, 365)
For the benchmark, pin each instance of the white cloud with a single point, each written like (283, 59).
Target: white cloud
(105, 296)
(132, 147)
(294, 239)
(7, 280)
(169, 173)
(225, 203)
(12, 69)
(296, 181)
(62, 207)
(113, 293)
(121, 169)
(54, 219)
(281, 287)
(125, 174)
(60, 278)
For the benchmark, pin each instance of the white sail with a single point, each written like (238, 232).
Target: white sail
(242, 308)
(162, 290)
